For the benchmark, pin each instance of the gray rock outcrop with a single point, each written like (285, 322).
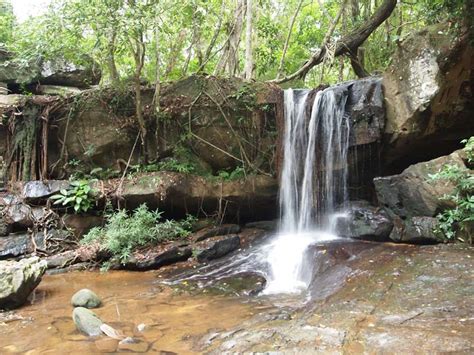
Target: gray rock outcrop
(428, 90)
(18, 279)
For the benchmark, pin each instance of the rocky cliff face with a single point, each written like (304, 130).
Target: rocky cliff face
(429, 99)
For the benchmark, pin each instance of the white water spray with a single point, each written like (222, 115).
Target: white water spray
(313, 183)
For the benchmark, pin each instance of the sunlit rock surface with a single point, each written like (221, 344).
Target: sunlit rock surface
(428, 96)
(18, 280)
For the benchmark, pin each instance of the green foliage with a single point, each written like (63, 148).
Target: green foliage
(461, 217)
(124, 232)
(180, 38)
(237, 173)
(7, 22)
(172, 164)
(80, 196)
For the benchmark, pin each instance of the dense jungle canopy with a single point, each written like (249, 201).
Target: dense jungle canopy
(159, 41)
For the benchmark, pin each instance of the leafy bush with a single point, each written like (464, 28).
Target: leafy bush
(461, 216)
(175, 165)
(80, 196)
(123, 232)
(237, 173)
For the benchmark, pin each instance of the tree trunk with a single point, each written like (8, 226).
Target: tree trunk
(248, 73)
(113, 72)
(234, 39)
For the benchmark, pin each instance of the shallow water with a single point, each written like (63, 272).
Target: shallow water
(363, 298)
(172, 320)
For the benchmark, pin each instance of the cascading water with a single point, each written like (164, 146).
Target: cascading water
(313, 183)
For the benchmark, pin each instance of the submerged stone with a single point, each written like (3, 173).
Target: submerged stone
(86, 321)
(85, 298)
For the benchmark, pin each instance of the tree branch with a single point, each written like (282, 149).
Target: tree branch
(348, 43)
(287, 42)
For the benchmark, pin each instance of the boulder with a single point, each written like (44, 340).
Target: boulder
(416, 230)
(413, 193)
(217, 247)
(65, 73)
(35, 191)
(18, 279)
(363, 221)
(85, 298)
(366, 107)
(227, 115)
(100, 137)
(428, 90)
(17, 244)
(19, 215)
(86, 321)
(52, 72)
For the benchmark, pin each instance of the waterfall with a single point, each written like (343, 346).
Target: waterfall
(313, 183)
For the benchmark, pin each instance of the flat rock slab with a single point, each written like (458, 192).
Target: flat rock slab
(217, 247)
(394, 299)
(168, 257)
(40, 190)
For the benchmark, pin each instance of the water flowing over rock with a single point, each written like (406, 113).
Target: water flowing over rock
(18, 279)
(313, 182)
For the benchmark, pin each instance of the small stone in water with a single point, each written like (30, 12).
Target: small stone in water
(85, 298)
(128, 340)
(87, 321)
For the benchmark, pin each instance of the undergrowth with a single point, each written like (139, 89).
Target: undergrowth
(459, 219)
(125, 232)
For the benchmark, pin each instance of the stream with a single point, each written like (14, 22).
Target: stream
(363, 297)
